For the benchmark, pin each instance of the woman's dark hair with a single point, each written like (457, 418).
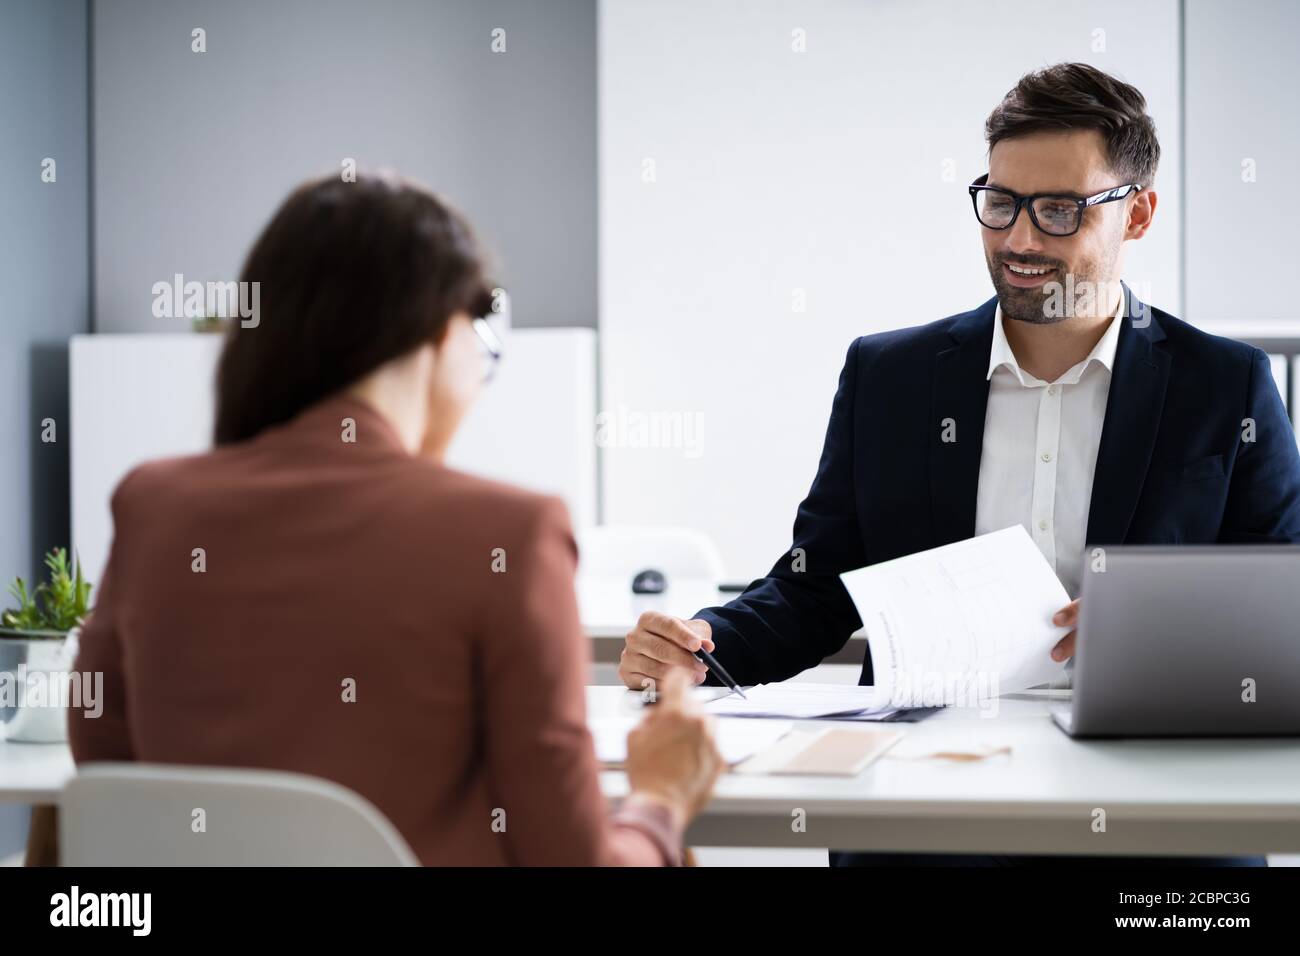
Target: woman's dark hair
(1078, 96)
(350, 275)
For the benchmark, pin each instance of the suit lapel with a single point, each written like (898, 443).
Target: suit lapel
(960, 394)
(1128, 434)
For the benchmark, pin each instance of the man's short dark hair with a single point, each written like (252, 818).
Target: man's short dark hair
(1071, 96)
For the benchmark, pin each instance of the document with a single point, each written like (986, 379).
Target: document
(806, 701)
(962, 623)
(737, 740)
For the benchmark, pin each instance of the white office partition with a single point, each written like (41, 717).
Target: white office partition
(132, 398)
(532, 426)
(777, 178)
(137, 397)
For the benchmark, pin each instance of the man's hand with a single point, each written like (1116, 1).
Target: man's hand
(660, 642)
(1067, 616)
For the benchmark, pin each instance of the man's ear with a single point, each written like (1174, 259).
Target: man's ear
(1140, 214)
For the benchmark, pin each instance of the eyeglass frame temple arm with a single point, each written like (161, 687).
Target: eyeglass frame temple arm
(488, 336)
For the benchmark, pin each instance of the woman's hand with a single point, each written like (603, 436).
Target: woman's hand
(671, 755)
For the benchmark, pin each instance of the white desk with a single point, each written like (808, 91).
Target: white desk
(608, 614)
(1160, 797)
(1186, 797)
(33, 773)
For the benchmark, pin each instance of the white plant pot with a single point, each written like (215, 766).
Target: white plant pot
(35, 677)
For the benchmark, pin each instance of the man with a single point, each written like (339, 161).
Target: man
(1063, 404)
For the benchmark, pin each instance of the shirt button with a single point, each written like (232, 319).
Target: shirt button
(1051, 390)
(1042, 525)
(1047, 456)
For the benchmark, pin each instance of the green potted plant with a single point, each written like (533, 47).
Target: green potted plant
(38, 644)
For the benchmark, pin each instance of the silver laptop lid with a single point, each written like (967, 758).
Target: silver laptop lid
(1189, 641)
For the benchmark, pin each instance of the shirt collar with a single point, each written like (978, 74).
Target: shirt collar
(1104, 351)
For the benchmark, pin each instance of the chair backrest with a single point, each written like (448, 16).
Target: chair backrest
(619, 552)
(130, 814)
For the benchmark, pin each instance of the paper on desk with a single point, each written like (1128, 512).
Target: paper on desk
(836, 751)
(737, 740)
(806, 701)
(960, 623)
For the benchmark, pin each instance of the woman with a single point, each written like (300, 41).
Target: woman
(321, 594)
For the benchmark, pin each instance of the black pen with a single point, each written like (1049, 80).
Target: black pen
(711, 662)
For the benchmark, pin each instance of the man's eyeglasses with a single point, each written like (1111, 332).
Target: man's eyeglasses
(998, 208)
(491, 346)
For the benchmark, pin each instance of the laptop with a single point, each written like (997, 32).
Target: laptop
(1194, 641)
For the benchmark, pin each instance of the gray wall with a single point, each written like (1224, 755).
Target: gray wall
(43, 272)
(193, 151)
(1242, 65)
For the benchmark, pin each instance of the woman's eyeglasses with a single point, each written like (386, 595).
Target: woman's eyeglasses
(491, 346)
(998, 208)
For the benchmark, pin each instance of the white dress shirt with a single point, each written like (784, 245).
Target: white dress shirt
(1040, 450)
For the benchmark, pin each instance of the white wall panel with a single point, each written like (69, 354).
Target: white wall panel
(841, 172)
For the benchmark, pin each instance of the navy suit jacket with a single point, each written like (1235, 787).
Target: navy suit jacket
(1173, 467)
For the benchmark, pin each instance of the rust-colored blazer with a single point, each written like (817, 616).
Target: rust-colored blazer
(349, 610)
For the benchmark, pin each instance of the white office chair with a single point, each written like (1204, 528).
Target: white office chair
(129, 814)
(620, 552)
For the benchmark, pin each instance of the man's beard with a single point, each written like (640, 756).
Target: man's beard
(1043, 305)
(1028, 305)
